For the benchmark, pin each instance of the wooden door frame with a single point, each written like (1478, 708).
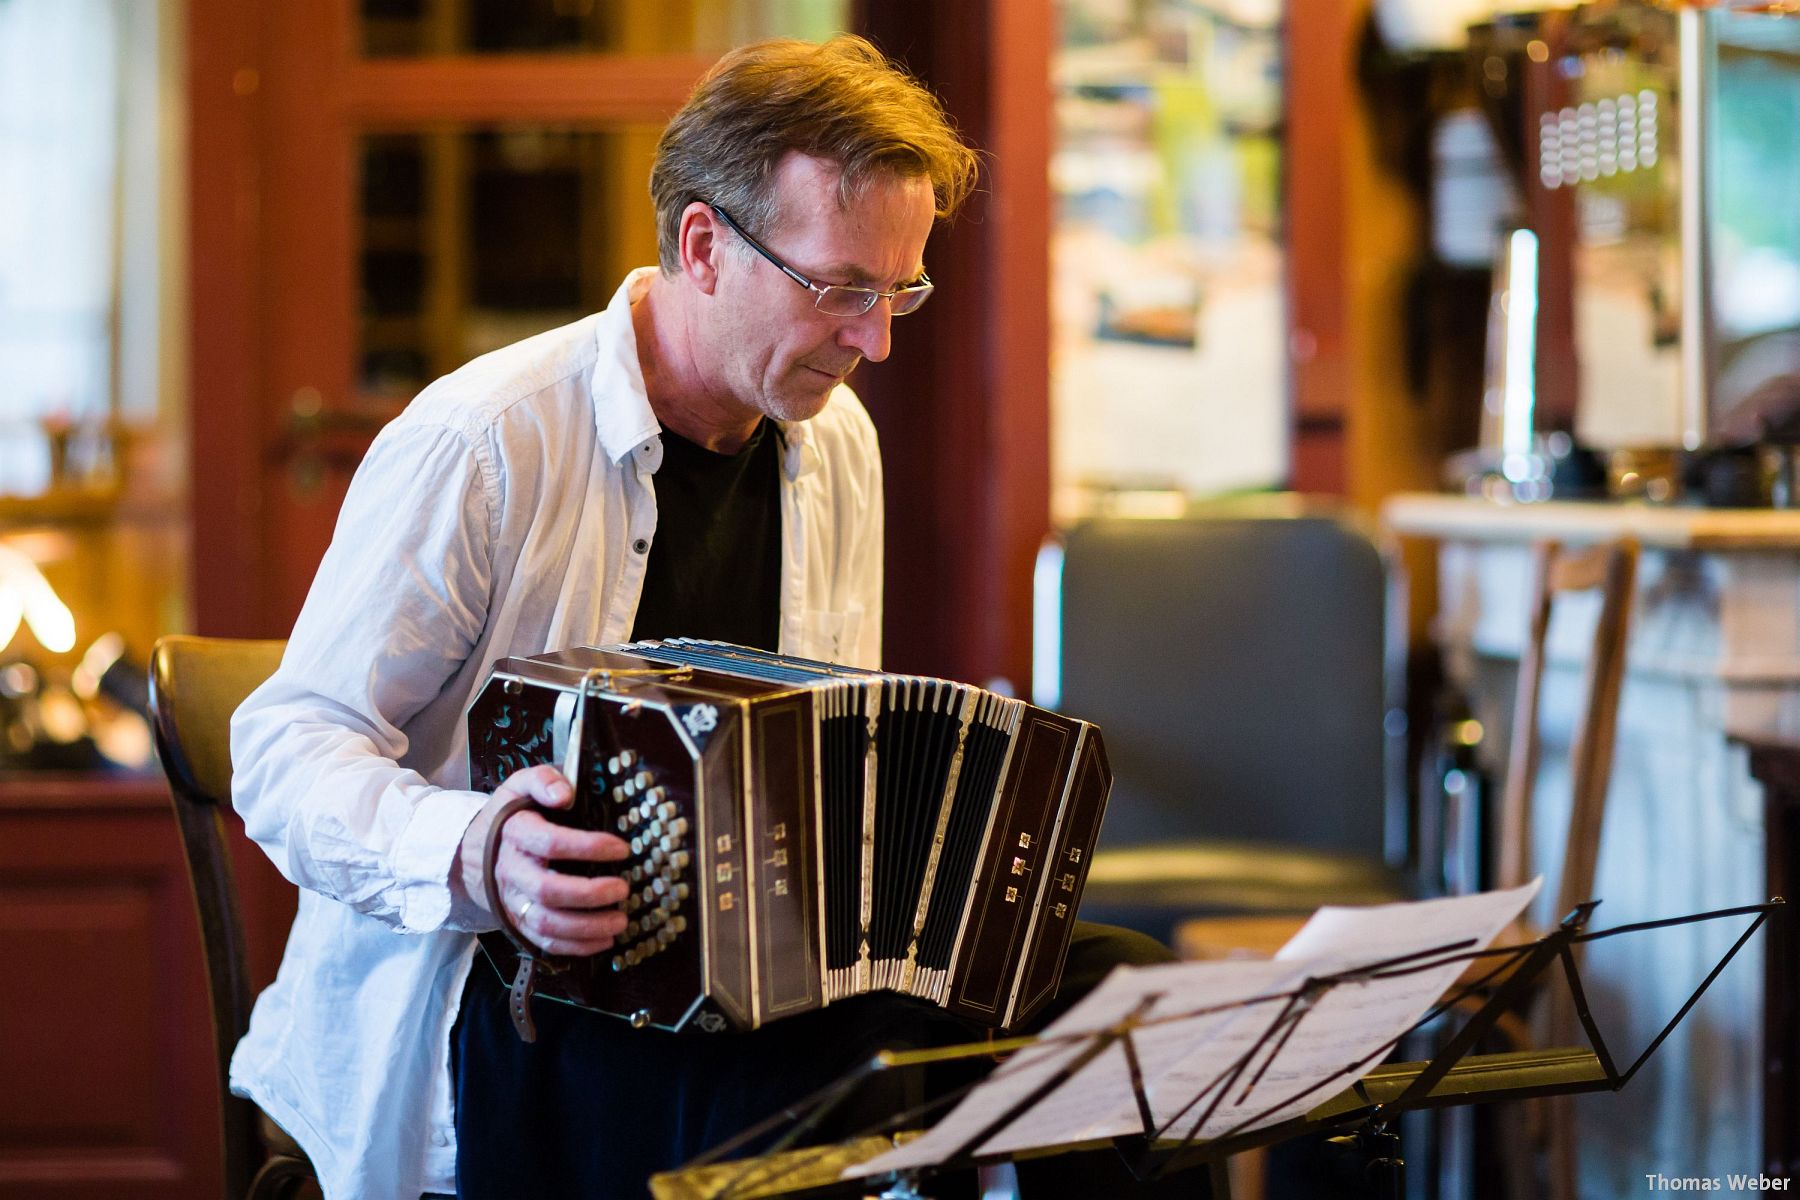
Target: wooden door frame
(1321, 101)
(224, 71)
(963, 405)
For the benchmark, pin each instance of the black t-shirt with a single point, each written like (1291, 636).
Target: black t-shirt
(715, 566)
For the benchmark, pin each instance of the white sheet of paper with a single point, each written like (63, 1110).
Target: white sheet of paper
(1346, 1031)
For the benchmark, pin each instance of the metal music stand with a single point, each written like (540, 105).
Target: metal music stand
(1362, 1116)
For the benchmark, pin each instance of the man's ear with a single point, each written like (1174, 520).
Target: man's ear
(699, 246)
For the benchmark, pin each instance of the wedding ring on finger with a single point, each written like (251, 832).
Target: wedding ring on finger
(523, 909)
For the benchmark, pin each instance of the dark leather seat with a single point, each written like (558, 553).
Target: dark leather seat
(1235, 664)
(195, 685)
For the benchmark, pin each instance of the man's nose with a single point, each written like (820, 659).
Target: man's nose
(868, 334)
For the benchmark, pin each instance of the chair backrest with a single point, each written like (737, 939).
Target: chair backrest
(1609, 568)
(195, 685)
(1235, 666)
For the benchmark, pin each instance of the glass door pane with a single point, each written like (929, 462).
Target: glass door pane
(473, 238)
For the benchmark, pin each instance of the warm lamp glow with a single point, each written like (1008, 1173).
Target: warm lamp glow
(12, 611)
(25, 594)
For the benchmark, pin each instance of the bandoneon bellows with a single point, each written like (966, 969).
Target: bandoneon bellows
(802, 832)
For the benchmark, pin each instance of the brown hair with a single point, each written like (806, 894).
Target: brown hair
(841, 101)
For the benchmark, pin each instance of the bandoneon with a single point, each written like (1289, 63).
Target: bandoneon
(802, 832)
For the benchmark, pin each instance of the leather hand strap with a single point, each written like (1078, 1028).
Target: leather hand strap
(525, 978)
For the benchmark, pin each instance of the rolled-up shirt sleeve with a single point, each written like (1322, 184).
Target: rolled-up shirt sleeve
(398, 604)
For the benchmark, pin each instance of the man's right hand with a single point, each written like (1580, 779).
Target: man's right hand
(571, 915)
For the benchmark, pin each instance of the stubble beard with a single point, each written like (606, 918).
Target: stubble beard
(798, 408)
(802, 405)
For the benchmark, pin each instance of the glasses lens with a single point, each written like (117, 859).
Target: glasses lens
(855, 301)
(847, 301)
(908, 299)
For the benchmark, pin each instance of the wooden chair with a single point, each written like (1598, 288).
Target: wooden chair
(195, 685)
(1609, 569)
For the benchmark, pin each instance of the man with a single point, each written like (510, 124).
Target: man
(688, 461)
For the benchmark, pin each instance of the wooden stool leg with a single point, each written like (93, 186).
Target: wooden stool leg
(1250, 1174)
(1218, 1173)
(1563, 1164)
(1513, 1127)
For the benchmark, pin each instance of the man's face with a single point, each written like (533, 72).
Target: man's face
(780, 355)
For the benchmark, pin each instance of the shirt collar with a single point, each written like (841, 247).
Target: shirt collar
(798, 454)
(623, 417)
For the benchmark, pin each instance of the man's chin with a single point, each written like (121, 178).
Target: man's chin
(801, 406)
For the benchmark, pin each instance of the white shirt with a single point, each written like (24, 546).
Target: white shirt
(508, 511)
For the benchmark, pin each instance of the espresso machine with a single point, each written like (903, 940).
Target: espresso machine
(1647, 308)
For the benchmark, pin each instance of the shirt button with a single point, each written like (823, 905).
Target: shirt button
(439, 1138)
(641, 546)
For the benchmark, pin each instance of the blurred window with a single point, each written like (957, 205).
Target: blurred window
(79, 212)
(93, 538)
(1168, 265)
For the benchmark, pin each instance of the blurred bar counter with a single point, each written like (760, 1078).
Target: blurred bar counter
(1713, 658)
(1670, 527)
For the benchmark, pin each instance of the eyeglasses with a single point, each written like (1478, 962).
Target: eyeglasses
(834, 299)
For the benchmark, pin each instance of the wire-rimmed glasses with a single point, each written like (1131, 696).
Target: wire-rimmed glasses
(838, 300)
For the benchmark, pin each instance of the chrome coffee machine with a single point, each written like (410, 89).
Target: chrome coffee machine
(1658, 258)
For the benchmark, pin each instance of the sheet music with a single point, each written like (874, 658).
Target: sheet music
(1334, 1040)
(1099, 1101)
(1346, 1032)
